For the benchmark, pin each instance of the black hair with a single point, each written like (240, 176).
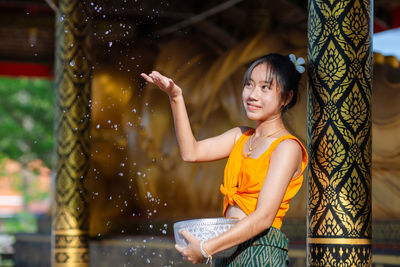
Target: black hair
(284, 70)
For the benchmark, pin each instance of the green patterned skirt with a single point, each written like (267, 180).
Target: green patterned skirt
(270, 248)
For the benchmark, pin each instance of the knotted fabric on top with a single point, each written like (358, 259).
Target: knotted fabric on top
(244, 177)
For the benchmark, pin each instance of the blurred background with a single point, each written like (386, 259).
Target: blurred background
(138, 185)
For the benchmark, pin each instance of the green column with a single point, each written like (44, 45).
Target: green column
(339, 133)
(72, 85)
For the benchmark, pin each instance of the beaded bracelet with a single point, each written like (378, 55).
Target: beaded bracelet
(205, 254)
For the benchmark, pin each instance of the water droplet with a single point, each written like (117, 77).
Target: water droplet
(72, 63)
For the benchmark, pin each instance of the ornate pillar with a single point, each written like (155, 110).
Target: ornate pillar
(339, 133)
(72, 84)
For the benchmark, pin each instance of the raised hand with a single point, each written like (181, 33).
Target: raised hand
(164, 83)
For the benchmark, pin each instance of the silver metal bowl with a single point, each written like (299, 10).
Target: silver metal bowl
(204, 229)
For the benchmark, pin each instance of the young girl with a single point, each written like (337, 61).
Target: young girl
(265, 166)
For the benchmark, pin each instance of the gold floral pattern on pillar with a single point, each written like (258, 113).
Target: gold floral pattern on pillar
(72, 82)
(344, 256)
(339, 133)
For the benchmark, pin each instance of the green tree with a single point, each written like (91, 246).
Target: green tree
(26, 119)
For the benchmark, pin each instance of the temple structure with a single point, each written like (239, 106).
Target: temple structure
(118, 173)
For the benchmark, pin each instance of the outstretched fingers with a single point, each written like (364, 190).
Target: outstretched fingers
(160, 80)
(153, 77)
(164, 83)
(147, 77)
(156, 78)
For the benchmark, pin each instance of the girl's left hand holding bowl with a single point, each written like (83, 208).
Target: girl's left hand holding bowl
(192, 251)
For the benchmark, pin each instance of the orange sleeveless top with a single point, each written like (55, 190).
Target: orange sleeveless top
(244, 177)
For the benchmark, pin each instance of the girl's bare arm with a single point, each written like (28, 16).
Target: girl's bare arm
(191, 150)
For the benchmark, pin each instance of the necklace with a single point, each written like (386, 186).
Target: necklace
(251, 147)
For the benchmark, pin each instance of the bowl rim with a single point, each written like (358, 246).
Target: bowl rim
(206, 221)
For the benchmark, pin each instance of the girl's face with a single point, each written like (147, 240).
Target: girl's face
(261, 96)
